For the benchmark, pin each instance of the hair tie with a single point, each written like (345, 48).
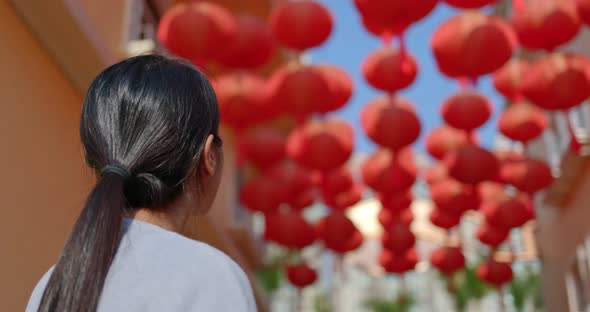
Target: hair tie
(116, 169)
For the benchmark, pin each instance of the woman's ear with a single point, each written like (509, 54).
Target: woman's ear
(209, 158)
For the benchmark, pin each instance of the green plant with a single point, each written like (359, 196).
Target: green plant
(466, 286)
(321, 303)
(526, 286)
(400, 304)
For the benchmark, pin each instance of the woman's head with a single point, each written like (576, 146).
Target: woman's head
(157, 118)
(150, 129)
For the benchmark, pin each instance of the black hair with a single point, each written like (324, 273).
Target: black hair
(149, 115)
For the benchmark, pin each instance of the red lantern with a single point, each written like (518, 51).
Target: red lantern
(507, 213)
(454, 197)
(398, 201)
(389, 18)
(321, 144)
(298, 89)
(470, 4)
(293, 178)
(491, 191)
(345, 199)
(389, 69)
(448, 260)
(338, 233)
(301, 275)
(197, 31)
(466, 110)
(444, 220)
(491, 236)
(527, 174)
(388, 218)
(398, 238)
(387, 174)
(303, 199)
(444, 139)
(301, 25)
(472, 44)
(435, 173)
(337, 180)
(522, 122)
(340, 87)
(391, 122)
(240, 94)
(508, 80)
(546, 24)
(584, 10)
(290, 229)
(398, 264)
(495, 273)
(472, 164)
(263, 194)
(253, 46)
(558, 81)
(263, 147)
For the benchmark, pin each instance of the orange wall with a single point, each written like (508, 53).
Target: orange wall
(43, 180)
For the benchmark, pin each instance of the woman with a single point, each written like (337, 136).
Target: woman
(150, 131)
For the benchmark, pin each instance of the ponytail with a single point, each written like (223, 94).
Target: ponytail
(80, 272)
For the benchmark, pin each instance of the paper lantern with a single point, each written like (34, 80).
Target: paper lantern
(444, 220)
(546, 24)
(387, 174)
(472, 164)
(491, 191)
(301, 275)
(263, 146)
(338, 233)
(558, 81)
(466, 110)
(398, 238)
(297, 89)
(398, 264)
(392, 17)
(454, 197)
(495, 273)
(470, 4)
(389, 69)
(340, 86)
(444, 139)
(472, 44)
(301, 25)
(303, 199)
(321, 144)
(448, 260)
(240, 94)
(345, 199)
(526, 174)
(387, 218)
(522, 122)
(197, 31)
(390, 122)
(337, 180)
(507, 213)
(252, 47)
(263, 194)
(289, 229)
(491, 236)
(397, 201)
(293, 178)
(435, 173)
(509, 79)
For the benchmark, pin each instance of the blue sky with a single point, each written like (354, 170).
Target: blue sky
(349, 44)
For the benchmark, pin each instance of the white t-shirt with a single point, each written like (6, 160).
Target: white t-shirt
(159, 270)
